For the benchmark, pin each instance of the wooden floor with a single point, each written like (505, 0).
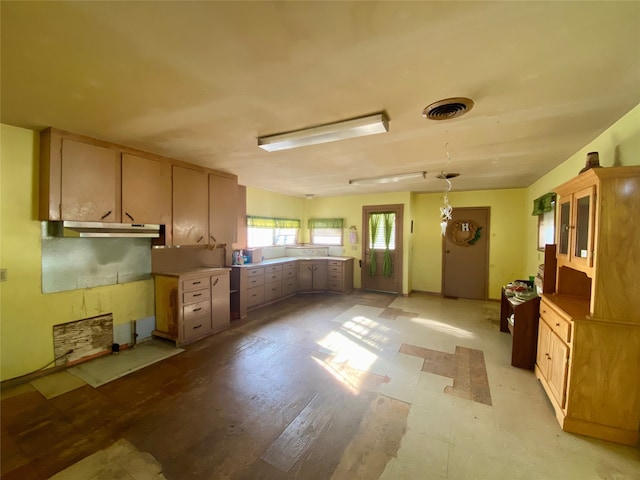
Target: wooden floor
(236, 405)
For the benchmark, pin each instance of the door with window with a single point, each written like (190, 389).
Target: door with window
(382, 248)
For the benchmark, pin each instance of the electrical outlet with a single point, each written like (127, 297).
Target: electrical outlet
(3, 274)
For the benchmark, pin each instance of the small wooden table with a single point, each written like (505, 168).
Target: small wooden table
(524, 330)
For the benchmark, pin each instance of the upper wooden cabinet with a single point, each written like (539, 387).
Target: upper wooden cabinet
(190, 206)
(575, 237)
(90, 183)
(601, 241)
(83, 179)
(223, 195)
(146, 190)
(78, 180)
(86, 179)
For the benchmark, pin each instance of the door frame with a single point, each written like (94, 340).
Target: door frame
(487, 253)
(398, 209)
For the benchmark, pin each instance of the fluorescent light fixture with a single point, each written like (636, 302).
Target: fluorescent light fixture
(401, 177)
(331, 132)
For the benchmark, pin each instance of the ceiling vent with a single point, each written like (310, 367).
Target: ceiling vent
(448, 108)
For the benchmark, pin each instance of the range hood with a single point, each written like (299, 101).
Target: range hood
(104, 230)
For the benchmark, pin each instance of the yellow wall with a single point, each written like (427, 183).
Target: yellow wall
(506, 244)
(619, 145)
(26, 315)
(270, 204)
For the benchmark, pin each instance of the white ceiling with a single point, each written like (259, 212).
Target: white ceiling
(200, 81)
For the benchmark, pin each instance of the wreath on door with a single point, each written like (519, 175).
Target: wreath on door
(463, 233)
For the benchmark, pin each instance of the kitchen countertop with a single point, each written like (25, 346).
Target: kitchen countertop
(275, 261)
(194, 271)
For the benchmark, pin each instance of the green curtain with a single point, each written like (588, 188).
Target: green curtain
(374, 221)
(389, 219)
(543, 204)
(326, 223)
(270, 222)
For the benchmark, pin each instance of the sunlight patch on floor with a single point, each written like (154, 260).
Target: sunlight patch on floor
(443, 327)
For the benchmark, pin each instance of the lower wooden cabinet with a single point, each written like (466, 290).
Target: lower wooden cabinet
(191, 305)
(340, 275)
(589, 370)
(253, 286)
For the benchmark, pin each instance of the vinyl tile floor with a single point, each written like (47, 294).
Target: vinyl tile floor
(360, 386)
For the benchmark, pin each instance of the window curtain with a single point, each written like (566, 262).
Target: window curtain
(270, 222)
(389, 219)
(374, 221)
(543, 204)
(326, 223)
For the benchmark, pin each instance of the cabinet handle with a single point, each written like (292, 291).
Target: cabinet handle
(213, 238)
(105, 215)
(557, 324)
(130, 217)
(197, 294)
(216, 282)
(197, 326)
(200, 239)
(197, 309)
(196, 283)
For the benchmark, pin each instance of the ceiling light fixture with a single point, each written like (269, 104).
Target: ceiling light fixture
(331, 132)
(388, 179)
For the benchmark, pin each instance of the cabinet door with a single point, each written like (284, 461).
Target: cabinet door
(223, 194)
(305, 276)
(564, 227)
(557, 377)
(190, 206)
(583, 221)
(320, 276)
(220, 302)
(90, 186)
(146, 190)
(542, 357)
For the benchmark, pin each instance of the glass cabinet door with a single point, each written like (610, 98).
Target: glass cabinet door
(564, 227)
(582, 241)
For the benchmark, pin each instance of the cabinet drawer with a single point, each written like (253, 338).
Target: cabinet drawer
(289, 287)
(272, 269)
(272, 291)
(290, 273)
(335, 263)
(195, 283)
(335, 268)
(272, 277)
(252, 272)
(196, 295)
(255, 281)
(196, 327)
(335, 285)
(335, 277)
(255, 296)
(196, 310)
(558, 324)
(289, 266)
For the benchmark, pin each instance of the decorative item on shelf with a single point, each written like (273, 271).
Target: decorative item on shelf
(593, 161)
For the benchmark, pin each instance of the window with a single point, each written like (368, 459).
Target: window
(267, 231)
(326, 231)
(377, 220)
(545, 208)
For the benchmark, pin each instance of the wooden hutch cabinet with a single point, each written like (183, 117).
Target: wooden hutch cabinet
(588, 357)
